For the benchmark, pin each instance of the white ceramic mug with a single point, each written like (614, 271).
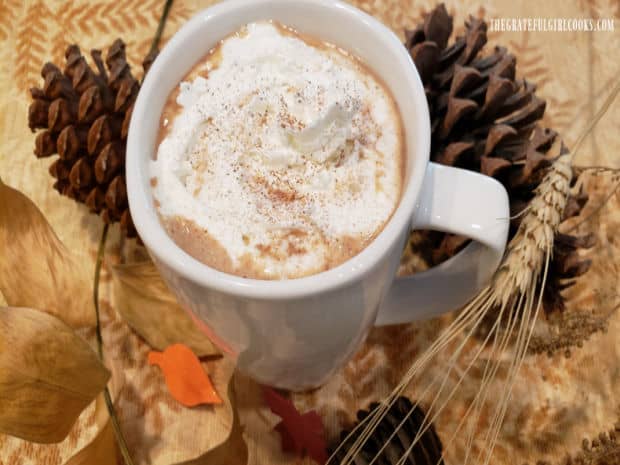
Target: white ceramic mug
(294, 333)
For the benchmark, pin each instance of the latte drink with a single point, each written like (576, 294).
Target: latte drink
(280, 156)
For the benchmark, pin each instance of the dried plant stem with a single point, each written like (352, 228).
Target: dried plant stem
(597, 210)
(120, 439)
(487, 377)
(427, 423)
(98, 264)
(596, 169)
(160, 26)
(502, 403)
(599, 114)
(490, 370)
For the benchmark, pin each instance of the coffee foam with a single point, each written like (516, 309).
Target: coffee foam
(288, 154)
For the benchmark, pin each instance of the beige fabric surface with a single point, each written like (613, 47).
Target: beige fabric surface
(557, 402)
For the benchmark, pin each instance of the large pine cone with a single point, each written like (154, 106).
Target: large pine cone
(485, 120)
(85, 116)
(427, 451)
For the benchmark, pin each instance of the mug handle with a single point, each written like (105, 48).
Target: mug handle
(461, 202)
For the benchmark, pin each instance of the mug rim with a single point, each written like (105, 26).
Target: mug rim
(161, 246)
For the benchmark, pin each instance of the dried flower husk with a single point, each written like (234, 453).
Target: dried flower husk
(147, 305)
(216, 420)
(36, 269)
(102, 449)
(234, 450)
(48, 375)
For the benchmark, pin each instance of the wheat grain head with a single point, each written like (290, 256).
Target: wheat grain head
(534, 239)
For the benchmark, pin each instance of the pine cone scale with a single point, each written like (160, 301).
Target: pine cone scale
(69, 143)
(56, 85)
(464, 79)
(95, 201)
(496, 93)
(109, 162)
(438, 27)
(60, 114)
(104, 130)
(81, 175)
(498, 135)
(44, 144)
(457, 109)
(425, 55)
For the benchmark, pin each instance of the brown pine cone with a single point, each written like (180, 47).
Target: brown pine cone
(485, 120)
(427, 451)
(84, 117)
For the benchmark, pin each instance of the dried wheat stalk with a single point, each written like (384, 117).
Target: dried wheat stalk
(515, 295)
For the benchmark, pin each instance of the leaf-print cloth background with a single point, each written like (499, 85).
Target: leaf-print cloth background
(557, 402)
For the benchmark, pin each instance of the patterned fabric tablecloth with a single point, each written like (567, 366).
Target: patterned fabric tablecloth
(557, 402)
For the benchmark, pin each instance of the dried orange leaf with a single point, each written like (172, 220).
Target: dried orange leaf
(48, 375)
(36, 269)
(234, 450)
(187, 381)
(102, 449)
(146, 304)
